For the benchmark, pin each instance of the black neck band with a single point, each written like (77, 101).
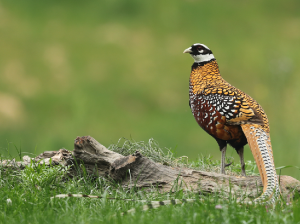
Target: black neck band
(197, 64)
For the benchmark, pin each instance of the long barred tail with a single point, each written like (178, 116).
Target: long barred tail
(156, 204)
(260, 145)
(148, 205)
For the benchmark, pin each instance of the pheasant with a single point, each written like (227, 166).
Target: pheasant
(231, 117)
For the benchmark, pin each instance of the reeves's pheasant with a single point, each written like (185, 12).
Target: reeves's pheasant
(231, 117)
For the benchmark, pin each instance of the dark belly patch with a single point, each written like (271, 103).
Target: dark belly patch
(212, 121)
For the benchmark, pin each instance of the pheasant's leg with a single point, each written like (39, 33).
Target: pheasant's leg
(241, 154)
(222, 145)
(223, 150)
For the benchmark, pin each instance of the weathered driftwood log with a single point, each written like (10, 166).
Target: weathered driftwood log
(138, 171)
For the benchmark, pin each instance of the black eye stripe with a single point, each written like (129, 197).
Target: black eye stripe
(200, 49)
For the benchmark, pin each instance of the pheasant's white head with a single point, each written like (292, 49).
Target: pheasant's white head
(200, 53)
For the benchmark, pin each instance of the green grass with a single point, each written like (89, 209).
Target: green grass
(25, 197)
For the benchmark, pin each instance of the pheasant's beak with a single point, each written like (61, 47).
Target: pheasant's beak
(188, 50)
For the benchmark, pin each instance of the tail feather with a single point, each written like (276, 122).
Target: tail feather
(149, 205)
(260, 145)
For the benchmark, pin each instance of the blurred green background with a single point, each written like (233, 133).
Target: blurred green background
(115, 68)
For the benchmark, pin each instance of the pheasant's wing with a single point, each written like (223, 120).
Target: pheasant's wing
(233, 105)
